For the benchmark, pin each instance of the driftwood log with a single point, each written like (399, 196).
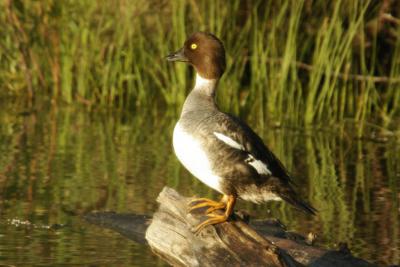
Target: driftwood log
(234, 243)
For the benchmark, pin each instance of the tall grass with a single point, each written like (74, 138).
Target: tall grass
(292, 62)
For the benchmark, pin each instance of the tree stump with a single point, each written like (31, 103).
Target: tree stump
(233, 243)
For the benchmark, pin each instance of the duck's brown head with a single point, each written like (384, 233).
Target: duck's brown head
(205, 52)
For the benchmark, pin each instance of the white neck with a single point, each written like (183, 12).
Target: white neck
(205, 85)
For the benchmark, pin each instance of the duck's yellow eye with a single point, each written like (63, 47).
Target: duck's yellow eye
(193, 46)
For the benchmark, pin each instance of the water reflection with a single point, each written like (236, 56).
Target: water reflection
(58, 163)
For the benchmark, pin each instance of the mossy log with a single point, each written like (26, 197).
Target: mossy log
(233, 243)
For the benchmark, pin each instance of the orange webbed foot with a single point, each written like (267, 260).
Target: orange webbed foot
(215, 218)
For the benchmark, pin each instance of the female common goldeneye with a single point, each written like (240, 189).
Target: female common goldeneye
(218, 148)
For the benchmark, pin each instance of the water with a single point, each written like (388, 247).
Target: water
(59, 163)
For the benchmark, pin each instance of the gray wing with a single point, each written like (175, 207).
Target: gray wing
(244, 146)
(235, 133)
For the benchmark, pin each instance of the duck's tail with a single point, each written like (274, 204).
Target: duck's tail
(289, 195)
(300, 205)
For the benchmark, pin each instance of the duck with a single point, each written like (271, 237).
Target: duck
(220, 149)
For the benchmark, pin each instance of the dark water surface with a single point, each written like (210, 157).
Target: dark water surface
(59, 163)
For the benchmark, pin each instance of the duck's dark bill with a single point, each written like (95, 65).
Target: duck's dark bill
(177, 56)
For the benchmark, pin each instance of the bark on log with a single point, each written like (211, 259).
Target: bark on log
(233, 243)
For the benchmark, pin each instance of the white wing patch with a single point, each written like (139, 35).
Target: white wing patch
(260, 166)
(229, 141)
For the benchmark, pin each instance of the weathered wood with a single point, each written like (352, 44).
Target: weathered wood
(170, 235)
(234, 243)
(131, 226)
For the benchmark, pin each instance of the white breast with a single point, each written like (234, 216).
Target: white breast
(192, 156)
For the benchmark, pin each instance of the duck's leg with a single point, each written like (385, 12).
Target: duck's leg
(215, 218)
(205, 202)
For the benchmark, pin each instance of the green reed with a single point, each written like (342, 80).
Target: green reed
(288, 63)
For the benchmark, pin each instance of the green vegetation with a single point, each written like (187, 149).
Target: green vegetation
(328, 64)
(289, 62)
